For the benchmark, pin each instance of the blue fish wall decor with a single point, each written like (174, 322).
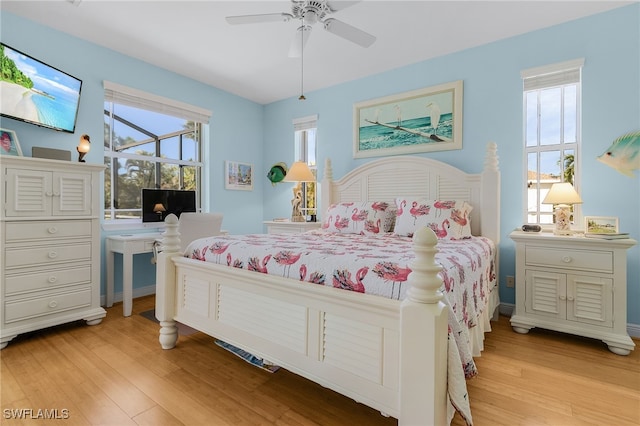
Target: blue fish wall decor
(623, 154)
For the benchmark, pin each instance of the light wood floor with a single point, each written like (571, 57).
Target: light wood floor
(116, 374)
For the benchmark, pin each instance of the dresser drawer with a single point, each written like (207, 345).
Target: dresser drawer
(47, 255)
(584, 260)
(38, 306)
(38, 230)
(22, 283)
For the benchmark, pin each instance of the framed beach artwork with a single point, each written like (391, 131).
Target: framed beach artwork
(238, 176)
(9, 144)
(422, 120)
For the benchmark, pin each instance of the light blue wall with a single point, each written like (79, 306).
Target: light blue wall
(236, 131)
(609, 42)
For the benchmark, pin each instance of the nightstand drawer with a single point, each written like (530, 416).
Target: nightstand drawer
(46, 305)
(584, 260)
(21, 231)
(277, 227)
(23, 283)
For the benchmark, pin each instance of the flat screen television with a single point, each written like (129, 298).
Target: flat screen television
(157, 204)
(37, 93)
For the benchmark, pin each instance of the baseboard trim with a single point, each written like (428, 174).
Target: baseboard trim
(137, 292)
(507, 309)
(634, 330)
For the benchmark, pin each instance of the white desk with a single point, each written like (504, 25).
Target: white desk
(127, 245)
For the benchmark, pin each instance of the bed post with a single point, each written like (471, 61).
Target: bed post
(490, 225)
(490, 181)
(326, 188)
(423, 350)
(166, 283)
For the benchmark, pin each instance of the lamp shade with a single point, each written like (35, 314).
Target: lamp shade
(562, 193)
(85, 144)
(299, 172)
(159, 207)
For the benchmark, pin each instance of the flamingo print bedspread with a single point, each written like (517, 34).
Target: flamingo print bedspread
(372, 264)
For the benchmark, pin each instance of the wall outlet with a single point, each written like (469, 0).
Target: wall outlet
(511, 281)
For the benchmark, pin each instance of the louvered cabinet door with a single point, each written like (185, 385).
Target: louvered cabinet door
(546, 293)
(43, 193)
(589, 300)
(72, 194)
(29, 192)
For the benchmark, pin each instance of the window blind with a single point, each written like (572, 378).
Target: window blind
(305, 123)
(124, 95)
(552, 75)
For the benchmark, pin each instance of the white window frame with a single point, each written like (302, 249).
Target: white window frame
(124, 95)
(538, 79)
(302, 132)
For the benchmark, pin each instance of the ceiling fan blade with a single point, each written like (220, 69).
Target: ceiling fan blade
(299, 41)
(339, 5)
(349, 32)
(257, 19)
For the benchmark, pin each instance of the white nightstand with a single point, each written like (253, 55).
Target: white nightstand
(276, 227)
(573, 284)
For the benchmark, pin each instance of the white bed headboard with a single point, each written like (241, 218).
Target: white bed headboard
(391, 177)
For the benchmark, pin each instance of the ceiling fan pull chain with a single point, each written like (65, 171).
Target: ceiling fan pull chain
(302, 97)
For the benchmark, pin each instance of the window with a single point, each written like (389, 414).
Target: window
(149, 142)
(552, 109)
(305, 150)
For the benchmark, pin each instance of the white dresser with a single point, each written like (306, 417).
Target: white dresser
(50, 233)
(573, 284)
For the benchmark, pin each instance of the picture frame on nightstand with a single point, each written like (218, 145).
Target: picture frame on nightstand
(601, 225)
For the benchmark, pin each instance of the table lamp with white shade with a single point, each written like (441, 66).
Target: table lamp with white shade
(562, 195)
(298, 172)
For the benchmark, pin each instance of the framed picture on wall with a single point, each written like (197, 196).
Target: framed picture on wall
(9, 144)
(422, 120)
(238, 176)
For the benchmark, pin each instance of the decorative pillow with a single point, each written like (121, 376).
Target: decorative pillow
(448, 219)
(361, 217)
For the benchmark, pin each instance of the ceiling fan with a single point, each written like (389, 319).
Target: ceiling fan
(309, 12)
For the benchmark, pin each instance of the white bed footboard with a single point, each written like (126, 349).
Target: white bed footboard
(386, 354)
(389, 355)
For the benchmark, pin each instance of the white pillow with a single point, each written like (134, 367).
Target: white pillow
(361, 217)
(449, 219)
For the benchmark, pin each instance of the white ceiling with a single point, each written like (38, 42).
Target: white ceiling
(192, 38)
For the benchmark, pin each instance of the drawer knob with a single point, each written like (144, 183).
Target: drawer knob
(49, 194)
(562, 297)
(52, 279)
(567, 259)
(53, 230)
(53, 304)
(52, 255)
(570, 298)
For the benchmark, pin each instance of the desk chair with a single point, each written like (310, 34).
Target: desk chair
(192, 226)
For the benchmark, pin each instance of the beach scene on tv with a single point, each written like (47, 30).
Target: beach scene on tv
(36, 92)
